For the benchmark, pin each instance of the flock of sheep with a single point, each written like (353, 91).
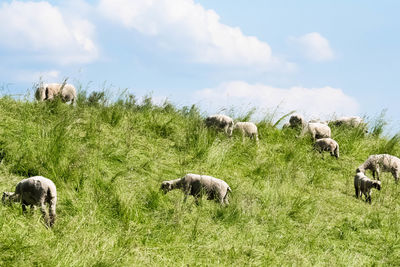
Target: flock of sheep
(39, 191)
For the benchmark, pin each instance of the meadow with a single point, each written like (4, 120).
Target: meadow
(108, 158)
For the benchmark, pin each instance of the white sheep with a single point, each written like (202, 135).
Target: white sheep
(363, 185)
(66, 91)
(381, 162)
(247, 129)
(317, 130)
(220, 121)
(327, 144)
(198, 185)
(353, 121)
(35, 191)
(296, 121)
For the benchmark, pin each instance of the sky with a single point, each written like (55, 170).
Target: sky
(324, 59)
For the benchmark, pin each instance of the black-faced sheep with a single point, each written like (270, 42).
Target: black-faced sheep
(381, 162)
(35, 191)
(221, 122)
(66, 91)
(198, 185)
(247, 129)
(296, 121)
(317, 130)
(327, 144)
(363, 185)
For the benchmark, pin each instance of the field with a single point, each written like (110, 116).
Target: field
(288, 206)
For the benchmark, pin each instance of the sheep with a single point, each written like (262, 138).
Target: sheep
(381, 162)
(327, 144)
(317, 130)
(35, 191)
(66, 91)
(353, 121)
(296, 121)
(220, 121)
(248, 129)
(363, 185)
(198, 185)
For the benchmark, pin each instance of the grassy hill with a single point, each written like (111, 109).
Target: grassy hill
(288, 206)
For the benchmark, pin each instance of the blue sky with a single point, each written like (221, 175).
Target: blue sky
(320, 58)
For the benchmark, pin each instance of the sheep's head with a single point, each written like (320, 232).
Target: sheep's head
(377, 185)
(359, 169)
(166, 186)
(7, 197)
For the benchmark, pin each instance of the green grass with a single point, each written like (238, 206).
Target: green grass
(288, 206)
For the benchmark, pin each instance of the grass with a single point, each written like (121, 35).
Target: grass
(288, 206)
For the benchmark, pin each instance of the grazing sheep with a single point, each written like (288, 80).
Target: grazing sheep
(50, 91)
(198, 185)
(220, 121)
(248, 129)
(296, 121)
(317, 130)
(35, 191)
(327, 144)
(353, 121)
(381, 162)
(363, 185)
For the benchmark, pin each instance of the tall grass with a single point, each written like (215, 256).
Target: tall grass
(107, 159)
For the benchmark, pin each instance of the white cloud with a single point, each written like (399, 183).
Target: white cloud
(35, 76)
(312, 102)
(314, 46)
(44, 33)
(184, 25)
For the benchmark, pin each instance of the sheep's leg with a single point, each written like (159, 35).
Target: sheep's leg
(23, 208)
(187, 189)
(52, 210)
(357, 191)
(396, 176)
(43, 210)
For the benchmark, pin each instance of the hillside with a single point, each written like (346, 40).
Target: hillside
(288, 207)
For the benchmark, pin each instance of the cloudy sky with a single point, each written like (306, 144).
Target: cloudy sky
(319, 58)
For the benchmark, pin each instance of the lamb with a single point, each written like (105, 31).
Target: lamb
(220, 121)
(296, 121)
(198, 185)
(363, 185)
(327, 144)
(66, 91)
(317, 130)
(248, 129)
(384, 162)
(35, 191)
